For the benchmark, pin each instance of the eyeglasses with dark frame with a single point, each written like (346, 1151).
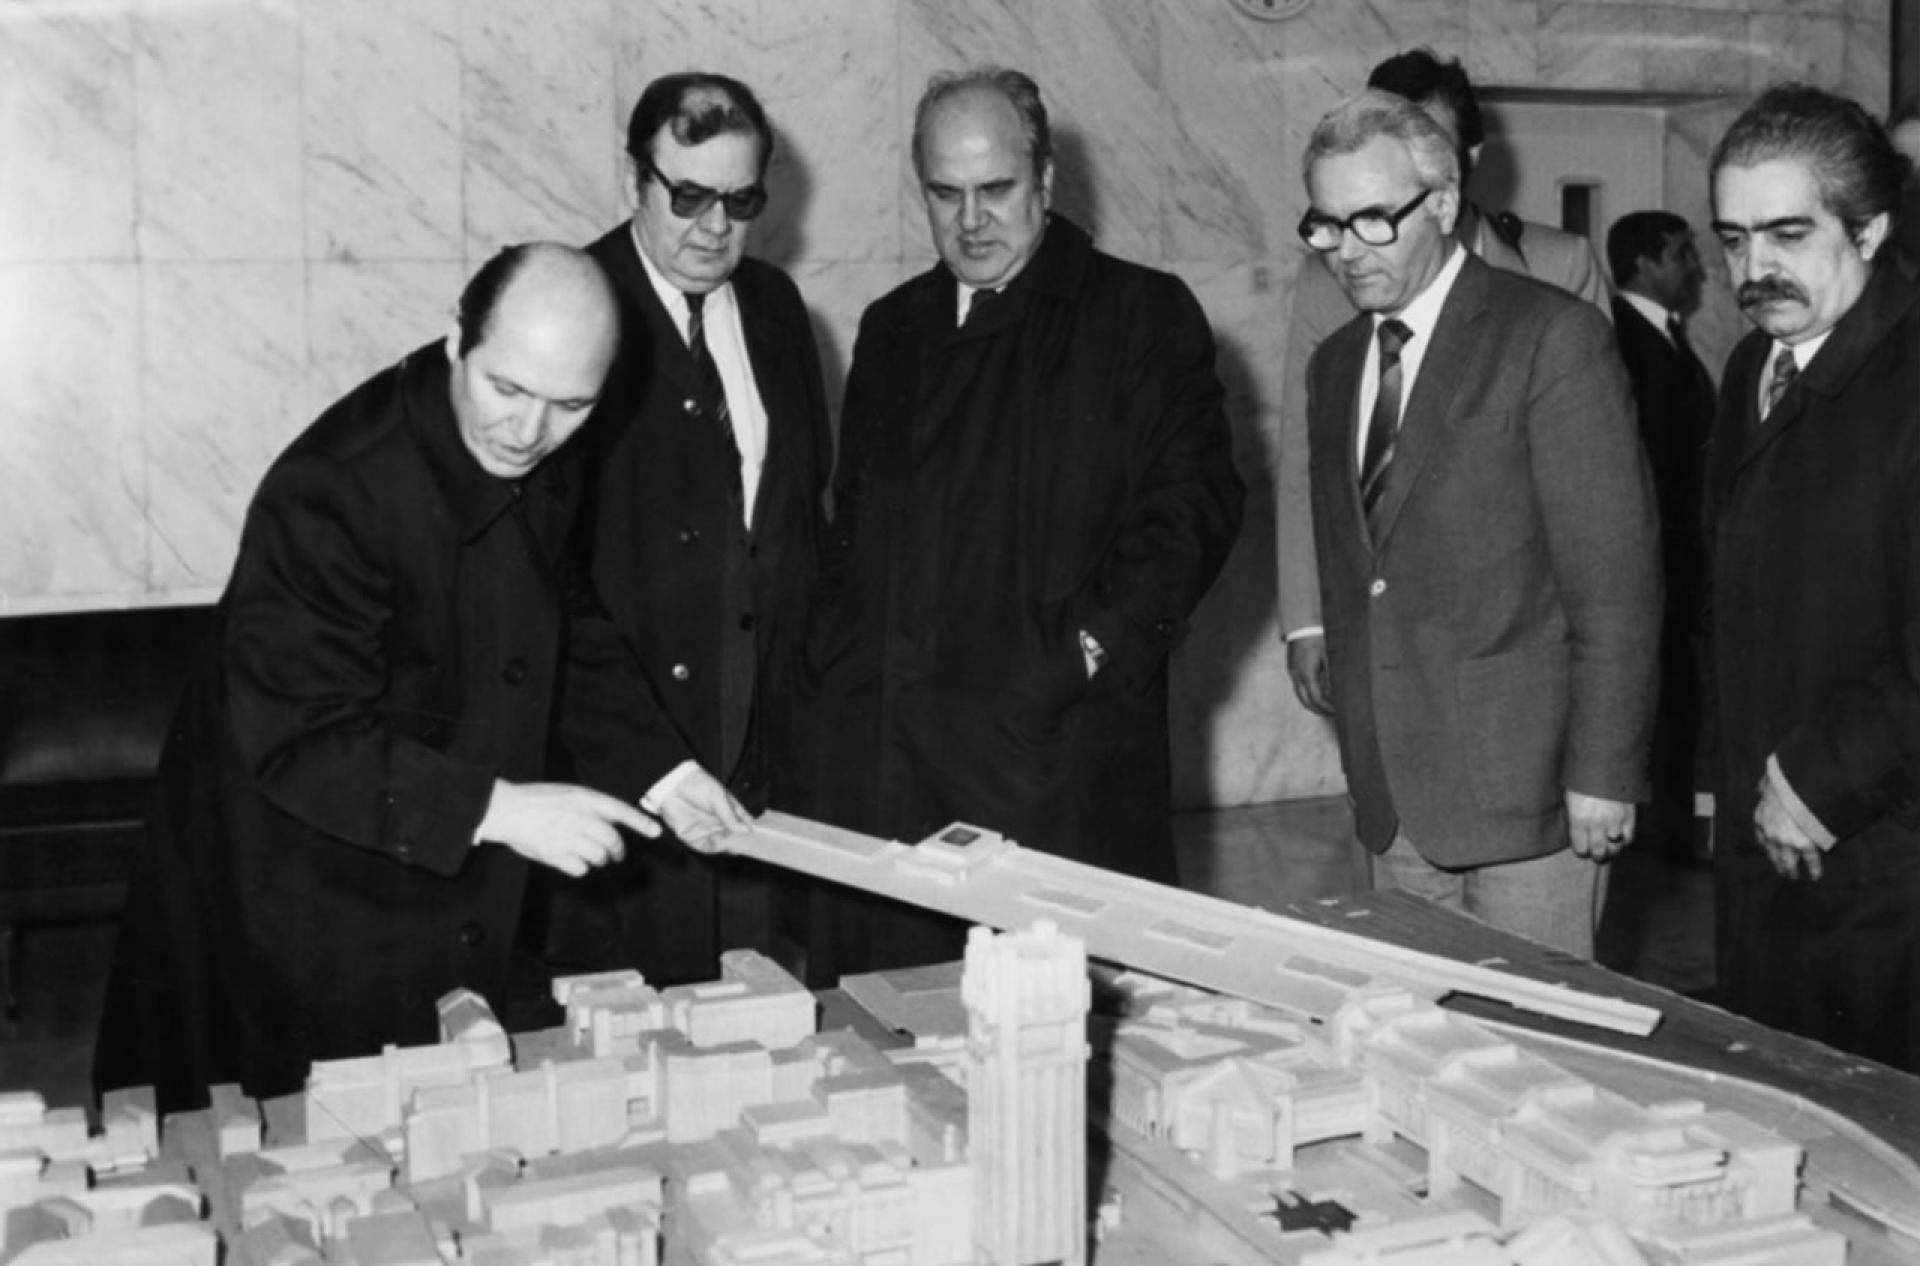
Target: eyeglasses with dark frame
(690, 201)
(1372, 226)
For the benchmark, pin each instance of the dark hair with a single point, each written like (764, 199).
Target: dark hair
(698, 106)
(1639, 235)
(1021, 93)
(1421, 75)
(1858, 171)
(483, 292)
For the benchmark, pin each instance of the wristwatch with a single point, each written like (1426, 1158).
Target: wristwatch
(1096, 654)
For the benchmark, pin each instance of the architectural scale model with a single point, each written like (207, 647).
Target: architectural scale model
(986, 1113)
(982, 877)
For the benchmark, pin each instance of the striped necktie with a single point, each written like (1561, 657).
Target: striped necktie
(1385, 423)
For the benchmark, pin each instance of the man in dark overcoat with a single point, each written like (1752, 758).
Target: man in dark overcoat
(353, 792)
(1813, 512)
(711, 460)
(1658, 274)
(1035, 489)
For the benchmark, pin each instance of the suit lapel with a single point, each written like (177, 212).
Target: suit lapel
(1346, 359)
(1429, 416)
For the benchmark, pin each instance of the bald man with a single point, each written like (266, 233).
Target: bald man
(353, 794)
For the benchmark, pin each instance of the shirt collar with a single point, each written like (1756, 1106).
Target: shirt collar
(1656, 313)
(674, 299)
(1803, 353)
(1423, 313)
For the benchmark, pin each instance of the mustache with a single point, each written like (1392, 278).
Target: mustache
(1769, 290)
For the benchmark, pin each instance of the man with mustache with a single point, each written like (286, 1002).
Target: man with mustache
(1035, 489)
(1488, 552)
(1813, 510)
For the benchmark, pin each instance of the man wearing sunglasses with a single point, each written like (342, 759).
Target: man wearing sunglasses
(713, 451)
(1487, 546)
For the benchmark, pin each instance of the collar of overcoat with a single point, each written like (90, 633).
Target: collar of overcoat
(474, 497)
(1891, 293)
(1053, 273)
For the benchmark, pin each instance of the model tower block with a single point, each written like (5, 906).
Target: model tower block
(1027, 995)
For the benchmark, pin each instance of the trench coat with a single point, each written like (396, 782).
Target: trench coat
(1061, 464)
(394, 637)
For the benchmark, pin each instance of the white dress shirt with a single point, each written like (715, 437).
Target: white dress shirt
(727, 342)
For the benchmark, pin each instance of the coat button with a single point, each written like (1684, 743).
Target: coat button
(515, 672)
(690, 405)
(1377, 588)
(404, 848)
(689, 535)
(746, 622)
(472, 934)
(681, 672)
(1164, 628)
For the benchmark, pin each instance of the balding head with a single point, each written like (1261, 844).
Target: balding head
(537, 330)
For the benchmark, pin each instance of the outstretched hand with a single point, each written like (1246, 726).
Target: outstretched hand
(699, 809)
(572, 829)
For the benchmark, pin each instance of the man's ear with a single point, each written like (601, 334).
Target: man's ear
(1046, 185)
(1873, 235)
(453, 342)
(630, 181)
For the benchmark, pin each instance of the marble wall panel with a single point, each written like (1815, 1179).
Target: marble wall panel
(1867, 63)
(66, 170)
(831, 87)
(540, 158)
(1503, 41)
(1099, 67)
(73, 484)
(223, 360)
(383, 142)
(1231, 167)
(361, 317)
(1586, 46)
(219, 126)
(1696, 51)
(1798, 45)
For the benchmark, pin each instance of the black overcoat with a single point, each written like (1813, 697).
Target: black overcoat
(394, 638)
(712, 609)
(1814, 539)
(1061, 463)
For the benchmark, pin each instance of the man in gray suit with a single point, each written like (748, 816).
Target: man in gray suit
(1441, 88)
(1487, 546)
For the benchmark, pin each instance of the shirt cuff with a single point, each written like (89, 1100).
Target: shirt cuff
(1305, 630)
(1796, 807)
(669, 783)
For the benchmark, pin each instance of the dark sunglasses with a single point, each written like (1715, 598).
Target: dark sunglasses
(690, 201)
(1372, 226)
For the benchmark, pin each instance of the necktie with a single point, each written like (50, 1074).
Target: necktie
(706, 379)
(980, 299)
(1785, 372)
(1385, 422)
(1677, 331)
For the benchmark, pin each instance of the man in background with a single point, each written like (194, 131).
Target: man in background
(354, 793)
(1487, 546)
(1035, 489)
(1658, 275)
(1441, 88)
(712, 453)
(1813, 506)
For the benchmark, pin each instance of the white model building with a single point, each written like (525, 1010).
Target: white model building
(1027, 997)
